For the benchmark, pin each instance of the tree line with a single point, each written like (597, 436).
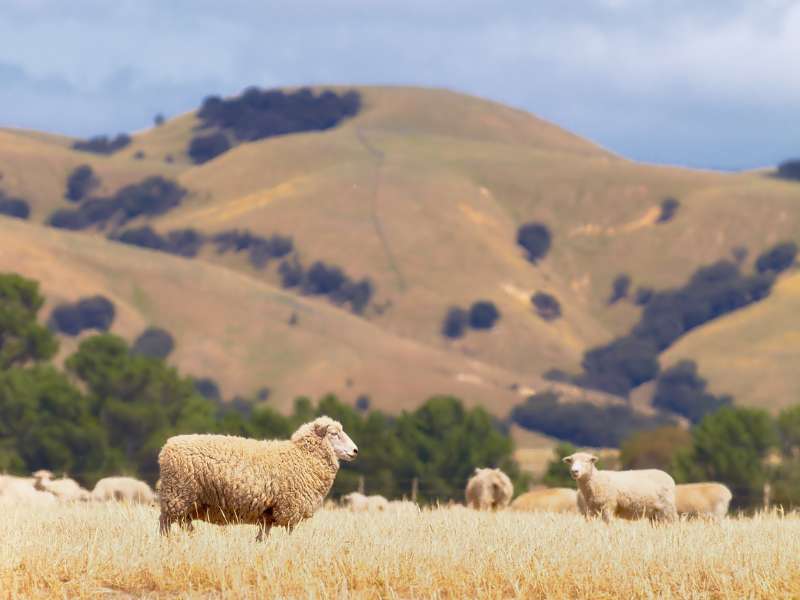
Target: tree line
(111, 407)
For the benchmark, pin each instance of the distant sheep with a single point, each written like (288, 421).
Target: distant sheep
(123, 489)
(556, 500)
(64, 489)
(227, 479)
(358, 502)
(20, 491)
(489, 489)
(707, 499)
(626, 494)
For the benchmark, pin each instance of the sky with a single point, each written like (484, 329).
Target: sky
(712, 84)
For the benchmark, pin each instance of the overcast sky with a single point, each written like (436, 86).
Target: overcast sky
(711, 83)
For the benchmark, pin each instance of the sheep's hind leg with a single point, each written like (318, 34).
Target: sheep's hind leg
(164, 524)
(265, 523)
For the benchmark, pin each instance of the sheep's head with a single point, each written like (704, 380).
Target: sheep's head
(331, 431)
(581, 464)
(43, 474)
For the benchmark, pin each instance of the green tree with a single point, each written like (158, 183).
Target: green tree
(22, 338)
(139, 400)
(654, 449)
(730, 446)
(557, 474)
(45, 422)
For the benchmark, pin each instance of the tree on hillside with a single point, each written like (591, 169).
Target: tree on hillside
(619, 288)
(17, 208)
(45, 422)
(680, 389)
(730, 446)
(140, 401)
(154, 342)
(669, 206)
(778, 258)
(535, 238)
(22, 338)
(789, 169)
(546, 305)
(483, 315)
(455, 322)
(80, 183)
(654, 449)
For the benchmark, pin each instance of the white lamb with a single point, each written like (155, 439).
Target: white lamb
(20, 491)
(489, 489)
(706, 499)
(123, 489)
(358, 502)
(635, 494)
(64, 489)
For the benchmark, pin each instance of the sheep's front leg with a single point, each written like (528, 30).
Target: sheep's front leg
(265, 524)
(607, 513)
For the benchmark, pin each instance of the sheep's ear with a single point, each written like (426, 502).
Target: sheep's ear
(321, 429)
(567, 460)
(593, 459)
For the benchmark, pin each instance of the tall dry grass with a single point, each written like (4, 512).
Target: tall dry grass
(114, 551)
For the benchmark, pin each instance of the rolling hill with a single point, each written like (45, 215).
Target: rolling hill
(422, 192)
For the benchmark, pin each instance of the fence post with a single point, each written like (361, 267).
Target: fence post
(767, 494)
(360, 484)
(414, 489)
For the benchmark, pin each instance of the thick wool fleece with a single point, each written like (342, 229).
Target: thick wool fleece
(558, 500)
(225, 479)
(706, 499)
(489, 489)
(634, 494)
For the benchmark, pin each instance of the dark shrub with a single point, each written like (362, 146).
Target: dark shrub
(14, 207)
(789, 169)
(184, 242)
(144, 237)
(357, 293)
(207, 388)
(154, 342)
(643, 295)
(363, 403)
(582, 423)
(150, 197)
(261, 249)
(619, 288)
(80, 183)
(621, 365)
(777, 259)
(291, 272)
(158, 120)
(139, 155)
(546, 305)
(102, 144)
(323, 279)
(455, 322)
(681, 390)
(535, 239)
(669, 206)
(205, 147)
(483, 315)
(739, 254)
(95, 312)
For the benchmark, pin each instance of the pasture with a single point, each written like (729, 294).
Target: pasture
(114, 551)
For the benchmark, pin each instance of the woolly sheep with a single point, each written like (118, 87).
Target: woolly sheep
(20, 491)
(122, 489)
(64, 489)
(358, 502)
(707, 499)
(224, 479)
(489, 489)
(557, 500)
(626, 494)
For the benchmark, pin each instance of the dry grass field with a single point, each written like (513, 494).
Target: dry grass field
(114, 551)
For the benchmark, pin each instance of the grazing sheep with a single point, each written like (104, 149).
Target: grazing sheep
(227, 479)
(123, 489)
(64, 489)
(358, 502)
(20, 491)
(399, 506)
(626, 494)
(707, 499)
(557, 500)
(489, 489)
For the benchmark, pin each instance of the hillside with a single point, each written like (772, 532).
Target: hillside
(422, 192)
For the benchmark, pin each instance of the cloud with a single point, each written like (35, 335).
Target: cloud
(650, 78)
